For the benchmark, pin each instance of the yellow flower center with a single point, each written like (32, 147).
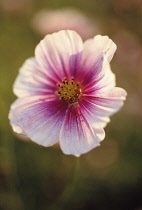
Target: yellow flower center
(69, 91)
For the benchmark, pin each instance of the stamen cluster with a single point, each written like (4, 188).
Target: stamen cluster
(69, 91)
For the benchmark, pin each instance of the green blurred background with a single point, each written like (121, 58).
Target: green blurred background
(109, 177)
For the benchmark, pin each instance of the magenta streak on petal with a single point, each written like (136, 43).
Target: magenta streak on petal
(39, 73)
(42, 122)
(108, 104)
(104, 79)
(94, 114)
(56, 56)
(31, 81)
(77, 136)
(74, 63)
(102, 84)
(50, 79)
(46, 63)
(86, 77)
(98, 109)
(23, 103)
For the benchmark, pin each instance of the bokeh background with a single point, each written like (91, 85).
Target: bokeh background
(109, 177)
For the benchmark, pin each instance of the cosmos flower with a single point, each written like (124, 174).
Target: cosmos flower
(49, 21)
(67, 92)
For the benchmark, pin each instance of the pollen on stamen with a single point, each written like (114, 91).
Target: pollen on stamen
(58, 85)
(69, 91)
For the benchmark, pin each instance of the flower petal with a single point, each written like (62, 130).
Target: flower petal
(39, 119)
(104, 78)
(98, 108)
(92, 63)
(60, 54)
(87, 74)
(32, 81)
(77, 136)
(94, 47)
(106, 45)
(17, 107)
(95, 115)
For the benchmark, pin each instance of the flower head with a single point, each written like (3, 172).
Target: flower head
(67, 92)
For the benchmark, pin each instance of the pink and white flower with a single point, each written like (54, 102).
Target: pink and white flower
(67, 92)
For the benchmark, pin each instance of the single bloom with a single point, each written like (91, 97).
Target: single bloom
(67, 92)
(50, 21)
